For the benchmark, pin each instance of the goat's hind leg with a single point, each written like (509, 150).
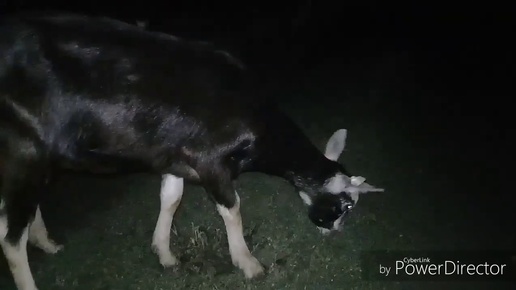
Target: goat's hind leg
(22, 178)
(38, 235)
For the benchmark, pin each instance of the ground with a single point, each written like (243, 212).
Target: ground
(442, 193)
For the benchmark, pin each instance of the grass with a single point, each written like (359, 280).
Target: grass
(430, 204)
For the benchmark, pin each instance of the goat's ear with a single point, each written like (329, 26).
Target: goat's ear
(358, 186)
(366, 187)
(336, 144)
(363, 188)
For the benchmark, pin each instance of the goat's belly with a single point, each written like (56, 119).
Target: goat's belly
(91, 162)
(89, 168)
(117, 165)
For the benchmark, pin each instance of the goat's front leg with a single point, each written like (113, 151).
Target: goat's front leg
(228, 206)
(170, 196)
(20, 189)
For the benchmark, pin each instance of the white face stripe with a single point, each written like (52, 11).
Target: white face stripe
(336, 184)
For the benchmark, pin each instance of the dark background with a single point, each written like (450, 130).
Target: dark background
(457, 55)
(426, 88)
(470, 38)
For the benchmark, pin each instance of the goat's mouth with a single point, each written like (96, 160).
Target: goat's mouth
(337, 226)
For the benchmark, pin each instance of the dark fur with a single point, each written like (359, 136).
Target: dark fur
(97, 94)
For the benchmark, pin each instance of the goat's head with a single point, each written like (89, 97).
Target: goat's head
(330, 203)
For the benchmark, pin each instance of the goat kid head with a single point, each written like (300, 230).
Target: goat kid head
(330, 203)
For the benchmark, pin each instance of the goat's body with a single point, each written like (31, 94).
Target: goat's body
(95, 97)
(101, 95)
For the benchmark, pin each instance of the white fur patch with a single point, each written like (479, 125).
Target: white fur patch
(336, 184)
(305, 197)
(170, 196)
(357, 180)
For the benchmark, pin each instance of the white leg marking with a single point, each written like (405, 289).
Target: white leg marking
(3, 222)
(305, 197)
(38, 235)
(238, 249)
(170, 195)
(17, 258)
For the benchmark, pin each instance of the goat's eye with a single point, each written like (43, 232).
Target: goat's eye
(321, 220)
